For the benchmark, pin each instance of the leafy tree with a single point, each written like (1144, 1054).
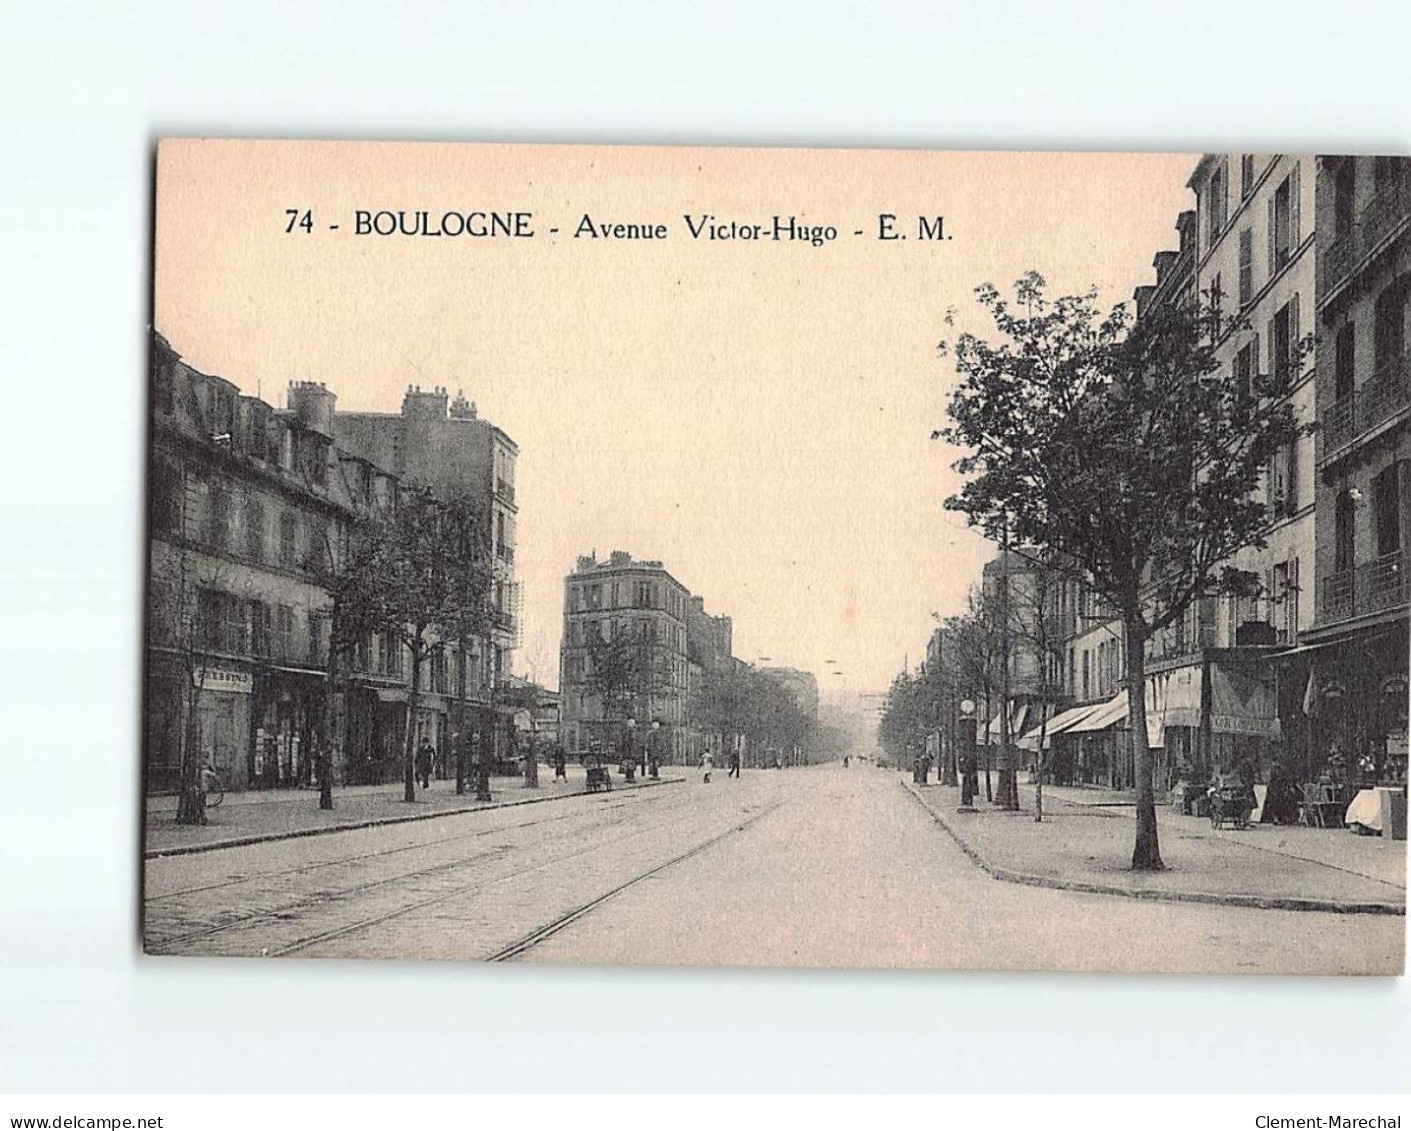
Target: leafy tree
(348, 566)
(1117, 446)
(625, 673)
(418, 576)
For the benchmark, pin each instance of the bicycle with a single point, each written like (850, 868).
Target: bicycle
(213, 787)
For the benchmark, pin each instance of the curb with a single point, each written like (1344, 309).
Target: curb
(376, 822)
(1262, 903)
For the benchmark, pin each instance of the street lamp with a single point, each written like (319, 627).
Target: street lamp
(969, 781)
(631, 770)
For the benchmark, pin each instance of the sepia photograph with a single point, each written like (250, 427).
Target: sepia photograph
(861, 558)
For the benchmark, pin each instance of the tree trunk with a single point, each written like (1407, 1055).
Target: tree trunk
(1039, 767)
(1146, 854)
(461, 664)
(409, 746)
(482, 770)
(191, 805)
(989, 791)
(325, 746)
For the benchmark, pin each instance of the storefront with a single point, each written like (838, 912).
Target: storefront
(375, 731)
(1350, 720)
(286, 716)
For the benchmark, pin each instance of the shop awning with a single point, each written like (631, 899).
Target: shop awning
(1060, 722)
(1242, 702)
(391, 694)
(1017, 714)
(1109, 714)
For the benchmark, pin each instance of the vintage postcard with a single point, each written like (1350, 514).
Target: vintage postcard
(778, 557)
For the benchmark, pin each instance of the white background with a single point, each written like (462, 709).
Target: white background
(84, 90)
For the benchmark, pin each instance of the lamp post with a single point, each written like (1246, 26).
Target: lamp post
(652, 755)
(630, 763)
(965, 755)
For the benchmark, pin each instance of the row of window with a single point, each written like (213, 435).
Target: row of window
(244, 524)
(596, 595)
(239, 626)
(646, 629)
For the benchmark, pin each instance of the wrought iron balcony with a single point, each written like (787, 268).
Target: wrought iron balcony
(1377, 221)
(1367, 588)
(1363, 409)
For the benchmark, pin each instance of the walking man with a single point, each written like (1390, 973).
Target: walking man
(560, 764)
(734, 771)
(706, 766)
(424, 756)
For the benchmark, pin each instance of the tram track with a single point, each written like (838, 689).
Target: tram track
(543, 932)
(282, 911)
(317, 865)
(533, 939)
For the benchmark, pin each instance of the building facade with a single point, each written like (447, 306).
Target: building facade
(1348, 689)
(443, 444)
(624, 658)
(248, 505)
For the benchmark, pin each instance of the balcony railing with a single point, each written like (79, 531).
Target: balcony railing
(1368, 588)
(1363, 409)
(1377, 220)
(505, 490)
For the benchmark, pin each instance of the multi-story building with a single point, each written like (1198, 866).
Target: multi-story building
(445, 445)
(637, 611)
(1349, 686)
(709, 649)
(1212, 694)
(248, 505)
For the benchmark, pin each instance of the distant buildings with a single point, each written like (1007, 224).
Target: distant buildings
(638, 612)
(802, 687)
(249, 505)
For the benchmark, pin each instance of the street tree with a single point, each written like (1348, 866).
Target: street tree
(625, 673)
(349, 567)
(182, 590)
(1118, 446)
(421, 601)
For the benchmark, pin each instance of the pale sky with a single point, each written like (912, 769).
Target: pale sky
(754, 414)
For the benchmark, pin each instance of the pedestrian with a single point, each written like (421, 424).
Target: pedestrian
(424, 757)
(706, 766)
(560, 764)
(734, 770)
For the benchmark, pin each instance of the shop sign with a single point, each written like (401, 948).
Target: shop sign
(224, 679)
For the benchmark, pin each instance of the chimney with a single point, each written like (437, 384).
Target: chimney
(313, 405)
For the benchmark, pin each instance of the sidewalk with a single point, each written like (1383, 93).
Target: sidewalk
(1087, 846)
(251, 816)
